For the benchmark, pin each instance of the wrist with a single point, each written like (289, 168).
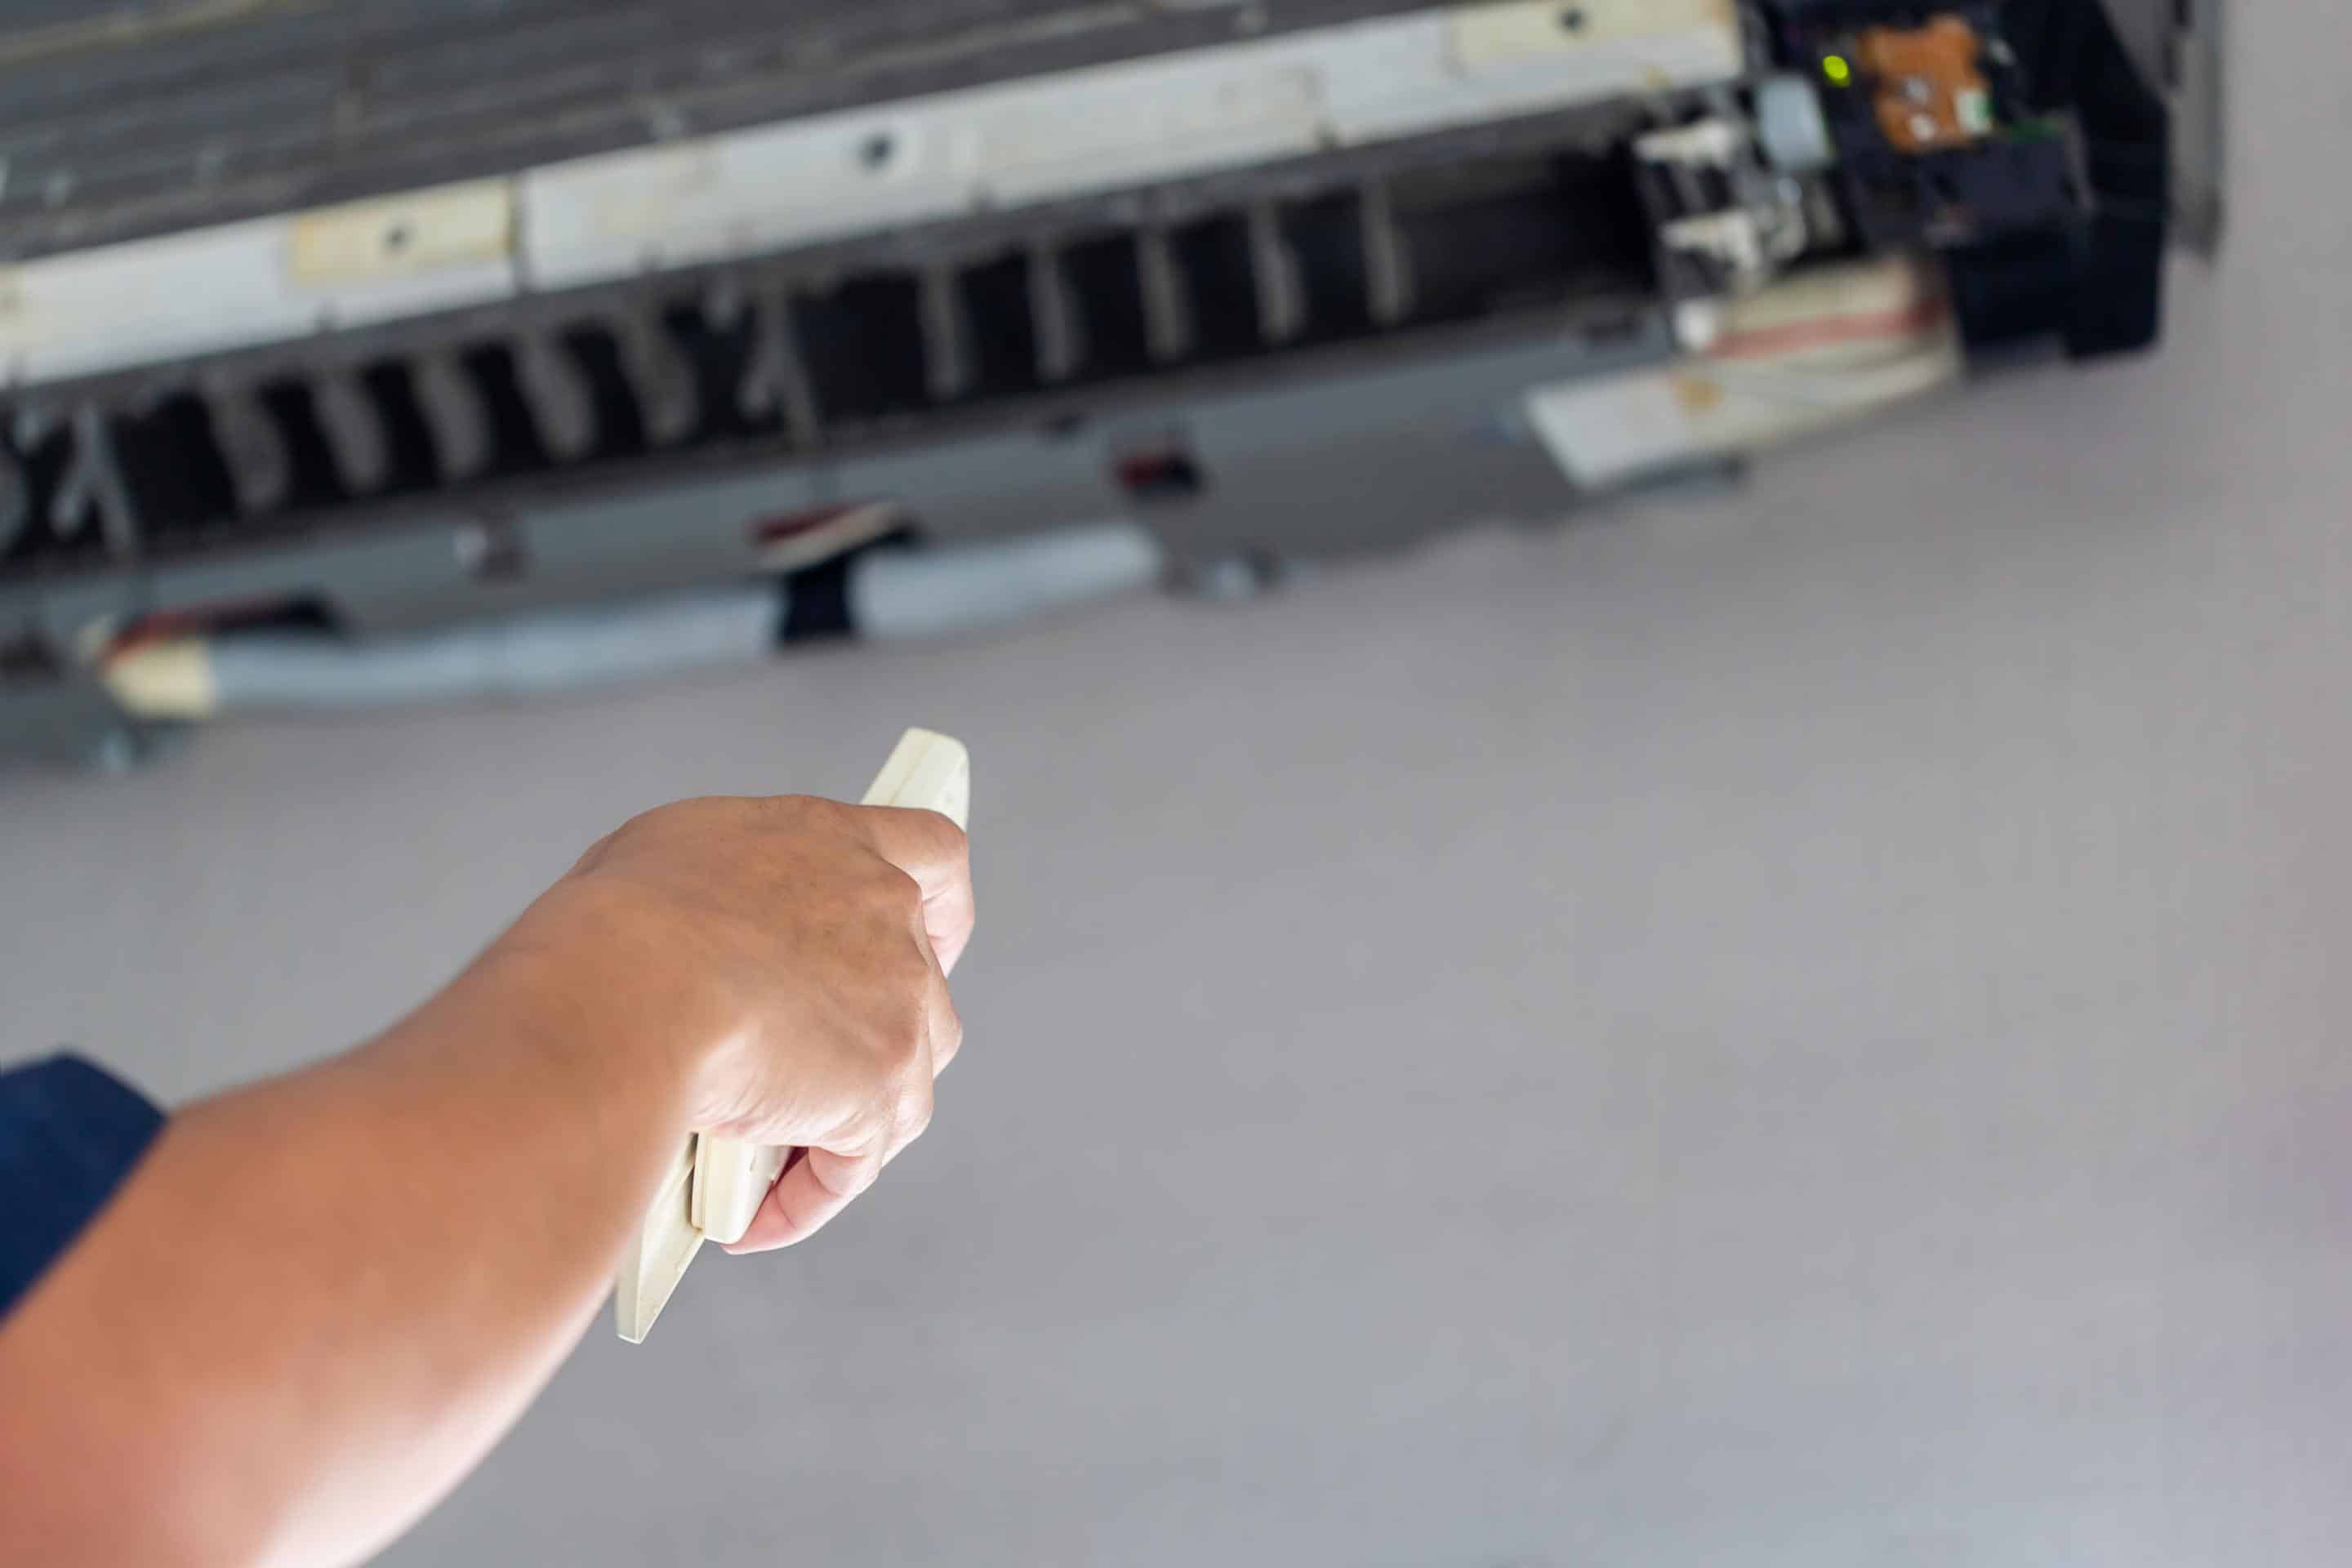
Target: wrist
(575, 993)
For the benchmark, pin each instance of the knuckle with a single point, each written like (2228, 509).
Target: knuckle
(692, 811)
(678, 820)
(947, 1033)
(914, 1117)
(904, 1050)
(898, 891)
(894, 962)
(953, 843)
(594, 856)
(799, 809)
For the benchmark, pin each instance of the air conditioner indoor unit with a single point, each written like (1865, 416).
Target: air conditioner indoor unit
(369, 320)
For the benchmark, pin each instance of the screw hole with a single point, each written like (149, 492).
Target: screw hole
(1572, 20)
(877, 151)
(398, 238)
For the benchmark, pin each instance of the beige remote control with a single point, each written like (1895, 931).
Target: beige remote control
(715, 1186)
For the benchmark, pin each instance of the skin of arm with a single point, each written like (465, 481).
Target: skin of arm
(317, 1301)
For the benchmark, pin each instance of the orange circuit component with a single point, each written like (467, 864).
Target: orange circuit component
(1930, 89)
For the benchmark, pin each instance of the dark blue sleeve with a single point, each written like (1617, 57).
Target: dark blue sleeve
(68, 1134)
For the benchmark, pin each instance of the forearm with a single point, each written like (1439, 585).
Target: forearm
(315, 1302)
(320, 1300)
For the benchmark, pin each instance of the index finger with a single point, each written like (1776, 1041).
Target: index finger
(936, 853)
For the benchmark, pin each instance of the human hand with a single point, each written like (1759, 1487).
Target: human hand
(793, 953)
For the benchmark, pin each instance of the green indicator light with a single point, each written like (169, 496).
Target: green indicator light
(1837, 71)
